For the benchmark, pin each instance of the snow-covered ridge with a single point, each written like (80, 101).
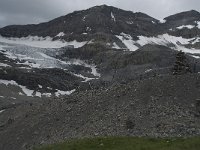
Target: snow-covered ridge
(42, 42)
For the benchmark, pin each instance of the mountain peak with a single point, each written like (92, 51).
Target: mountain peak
(102, 6)
(192, 14)
(105, 8)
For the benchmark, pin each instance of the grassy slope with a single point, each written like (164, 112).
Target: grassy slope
(127, 143)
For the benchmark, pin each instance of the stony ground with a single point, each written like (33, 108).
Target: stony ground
(164, 106)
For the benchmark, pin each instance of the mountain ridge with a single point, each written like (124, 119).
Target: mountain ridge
(103, 18)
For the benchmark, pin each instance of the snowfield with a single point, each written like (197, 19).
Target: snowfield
(176, 43)
(35, 57)
(40, 42)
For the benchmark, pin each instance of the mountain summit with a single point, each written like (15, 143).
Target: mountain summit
(98, 19)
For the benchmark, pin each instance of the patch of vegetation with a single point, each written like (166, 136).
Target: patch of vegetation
(127, 143)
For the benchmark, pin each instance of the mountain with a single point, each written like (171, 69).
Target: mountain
(104, 23)
(103, 19)
(183, 18)
(94, 46)
(95, 63)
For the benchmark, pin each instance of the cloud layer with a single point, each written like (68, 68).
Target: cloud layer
(35, 11)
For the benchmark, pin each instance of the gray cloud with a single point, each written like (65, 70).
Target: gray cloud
(35, 11)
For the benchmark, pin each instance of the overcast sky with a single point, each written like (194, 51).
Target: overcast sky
(36, 11)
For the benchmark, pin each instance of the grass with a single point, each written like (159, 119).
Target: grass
(127, 143)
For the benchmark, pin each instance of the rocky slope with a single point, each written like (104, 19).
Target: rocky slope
(162, 106)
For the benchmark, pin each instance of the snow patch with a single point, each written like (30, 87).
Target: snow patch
(83, 19)
(46, 94)
(162, 21)
(91, 42)
(129, 22)
(4, 65)
(196, 40)
(60, 34)
(88, 29)
(1, 111)
(149, 70)
(60, 93)
(82, 63)
(23, 88)
(86, 79)
(197, 57)
(115, 46)
(94, 70)
(113, 17)
(20, 93)
(166, 40)
(38, 94)
(108, 44)
(176, 43)
(185, 26)
(198, 24)
(128, 41)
